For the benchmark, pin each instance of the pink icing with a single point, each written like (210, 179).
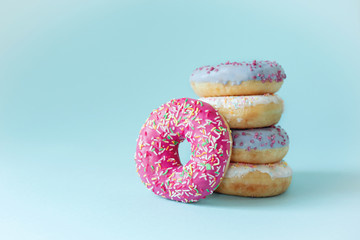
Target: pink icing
(157, 159)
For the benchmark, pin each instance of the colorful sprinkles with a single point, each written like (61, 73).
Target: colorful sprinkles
(157, 159)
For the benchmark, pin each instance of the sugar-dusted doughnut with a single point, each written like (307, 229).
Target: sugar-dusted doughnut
(260, 145)
(157, 159)
(244, 112)
(237, 78)
(261, 180)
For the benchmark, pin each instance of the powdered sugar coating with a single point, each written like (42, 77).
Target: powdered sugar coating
(260, 138)
(237, 72)
(275, 170)
(236, 102)
(157, 159)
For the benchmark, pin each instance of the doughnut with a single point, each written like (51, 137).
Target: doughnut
(262, 180)
(259, 146)
(237, 78)
(157, 158)
(244, 112)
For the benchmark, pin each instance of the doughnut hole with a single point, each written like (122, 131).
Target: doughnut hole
(184, 152)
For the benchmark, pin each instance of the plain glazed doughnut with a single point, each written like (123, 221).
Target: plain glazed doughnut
(262, 180)
(157, 159)
(259, 146)
(237, 78)
(242, 112)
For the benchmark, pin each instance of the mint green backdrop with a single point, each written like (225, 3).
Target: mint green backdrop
(79, 78)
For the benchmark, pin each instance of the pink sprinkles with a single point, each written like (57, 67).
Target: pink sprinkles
(261, 138)
(277, 76)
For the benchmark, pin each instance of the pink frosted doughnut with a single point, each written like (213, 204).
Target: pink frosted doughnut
(157, 159)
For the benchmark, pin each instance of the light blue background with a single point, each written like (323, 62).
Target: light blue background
(79, 78)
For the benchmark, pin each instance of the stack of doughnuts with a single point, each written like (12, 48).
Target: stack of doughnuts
(244, 94)
(236, 147)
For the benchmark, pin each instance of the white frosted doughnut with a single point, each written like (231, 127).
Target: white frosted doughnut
(260, 145)
(256, 180)
(243, 112)
(237, 78)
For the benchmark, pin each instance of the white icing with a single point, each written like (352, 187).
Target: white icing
(260, 138)
(275, 170)
(237, 72)
(235, 102)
